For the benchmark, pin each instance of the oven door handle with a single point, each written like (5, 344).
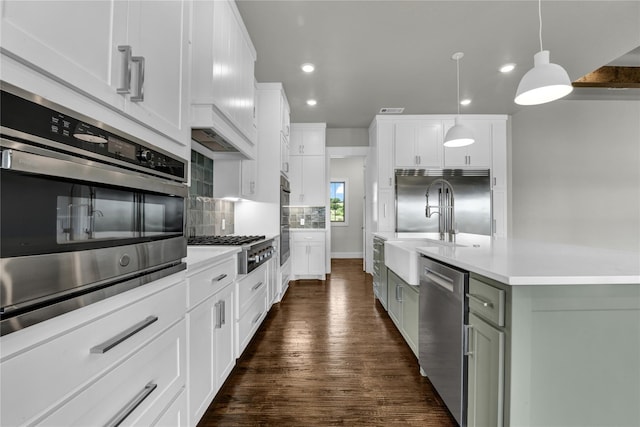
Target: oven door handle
(61, 165)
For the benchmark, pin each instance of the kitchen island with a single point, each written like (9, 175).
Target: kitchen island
(554, 331)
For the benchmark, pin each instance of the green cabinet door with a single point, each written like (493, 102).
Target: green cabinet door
(410, 308)
(394, 298)
(485, 374)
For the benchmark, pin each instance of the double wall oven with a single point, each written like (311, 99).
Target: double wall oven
(86, 211)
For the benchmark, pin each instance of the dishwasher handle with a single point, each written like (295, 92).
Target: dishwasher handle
(439, 279)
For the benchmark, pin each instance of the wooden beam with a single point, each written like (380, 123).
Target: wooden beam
(608, 76)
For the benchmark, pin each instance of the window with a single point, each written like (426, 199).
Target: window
(338, 205)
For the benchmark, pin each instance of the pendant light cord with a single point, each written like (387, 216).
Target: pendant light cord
(458, 81)
(540, 21)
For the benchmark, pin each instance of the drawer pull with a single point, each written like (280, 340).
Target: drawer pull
(256, 286)
(255, 320)
(131, 406)
(482, 301)
(219, 278)
(124, 335)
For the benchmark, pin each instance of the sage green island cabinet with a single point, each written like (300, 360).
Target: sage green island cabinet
(553, 355)
(403, 306)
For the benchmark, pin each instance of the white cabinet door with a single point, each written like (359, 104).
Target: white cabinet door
(59, 39)
(307, 178)
(284, 155)
(299, 265)
(211, 351)
(410, 311)
(249, 178)
(476, 155)
(316, 256)
(158, 32)
(308, 141)
(418, 144)
(485, 374)
(386, 210)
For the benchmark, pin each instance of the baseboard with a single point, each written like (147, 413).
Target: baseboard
(347, 255)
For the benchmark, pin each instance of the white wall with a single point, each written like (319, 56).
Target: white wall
(346, 241)
(347, 137)
(576, 173)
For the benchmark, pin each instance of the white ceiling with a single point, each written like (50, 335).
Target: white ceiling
(372, 54)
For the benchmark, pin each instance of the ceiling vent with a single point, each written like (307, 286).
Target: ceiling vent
(389, 110)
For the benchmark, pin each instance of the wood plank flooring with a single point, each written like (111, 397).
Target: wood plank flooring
(328, 354)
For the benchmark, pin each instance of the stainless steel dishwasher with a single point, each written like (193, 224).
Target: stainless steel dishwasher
(442, 321)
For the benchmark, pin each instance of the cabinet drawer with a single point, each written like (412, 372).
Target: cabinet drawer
(249, 286)
(152, 377)
(207, 282)
(248, 323)
(308, 236)
(39, 379)
(486, 301)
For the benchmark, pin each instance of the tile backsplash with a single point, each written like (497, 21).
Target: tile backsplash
(307, 217)
(206, 216)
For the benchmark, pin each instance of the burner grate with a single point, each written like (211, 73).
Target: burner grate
(223, 240)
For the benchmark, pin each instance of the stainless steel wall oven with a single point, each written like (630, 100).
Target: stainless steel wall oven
(285, 191)
(86, 211)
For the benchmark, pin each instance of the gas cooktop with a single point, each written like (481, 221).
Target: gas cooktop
(223, 240)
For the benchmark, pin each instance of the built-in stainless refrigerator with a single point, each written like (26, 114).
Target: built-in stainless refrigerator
(472, 193)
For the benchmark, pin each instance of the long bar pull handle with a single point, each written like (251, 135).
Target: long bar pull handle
(125, 79)
(440, 280)
(467, 340)
(123, 336)
(218, 307)
(256, 286)
(400, 289)
(219, 278)
(139, 96)
(131, 406)
(479, 299)
(224, 313)
(390, 181)
(255, 320)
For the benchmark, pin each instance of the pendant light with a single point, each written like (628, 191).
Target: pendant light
(458, 135)
(545, 82)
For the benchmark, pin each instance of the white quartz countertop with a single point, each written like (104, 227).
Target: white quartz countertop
(522, 262)
(201, 256)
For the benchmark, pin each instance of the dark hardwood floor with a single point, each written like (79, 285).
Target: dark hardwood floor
(328, 354)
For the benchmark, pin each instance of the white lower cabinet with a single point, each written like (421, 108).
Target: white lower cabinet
(210, 331)
(211, 352)
(403, 306)
(136, 392)
(70, 374)
(308, 254)
(251, 307)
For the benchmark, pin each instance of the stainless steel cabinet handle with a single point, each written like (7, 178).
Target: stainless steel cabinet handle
(218, 307)
(401, 291)
(253, 322)
(125, 78)
(467, 339)
(256, 286)
(219, 278)
(224, 313)
(123, 336)
(479, 299)
(139, 96)
(390, 181)
(439, 279)
(131, 406)
(384, 210)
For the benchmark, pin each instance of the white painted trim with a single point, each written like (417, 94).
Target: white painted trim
(340, 152)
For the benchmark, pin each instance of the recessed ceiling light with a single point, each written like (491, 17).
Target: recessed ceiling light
(308, 68)
(507, 68)
(311, 102)
(465, 102)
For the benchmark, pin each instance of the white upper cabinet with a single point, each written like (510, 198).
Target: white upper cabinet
(474, 156)
(307, 141)
(130, 56)
(418, 144)
(223, 93)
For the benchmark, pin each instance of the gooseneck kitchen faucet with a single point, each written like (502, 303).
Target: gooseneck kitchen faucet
(445, 208)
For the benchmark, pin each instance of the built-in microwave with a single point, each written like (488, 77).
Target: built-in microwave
(86, 211)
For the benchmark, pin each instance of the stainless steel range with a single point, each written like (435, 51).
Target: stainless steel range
(255, 251)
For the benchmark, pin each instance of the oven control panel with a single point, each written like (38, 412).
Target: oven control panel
(67, 131)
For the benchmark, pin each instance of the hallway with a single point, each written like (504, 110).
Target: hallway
(328, 354)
